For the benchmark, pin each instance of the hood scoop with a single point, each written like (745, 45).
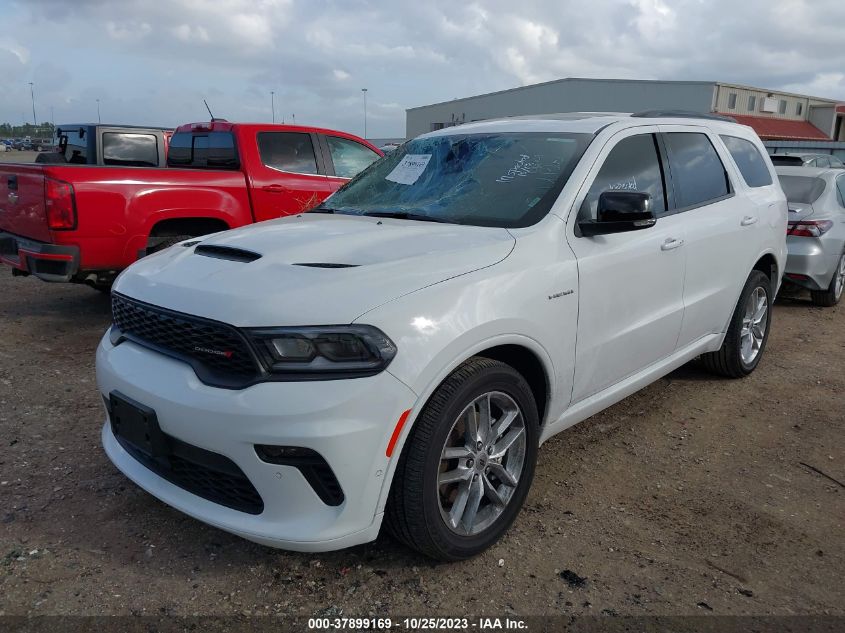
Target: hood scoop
(226, 252)
(325, 265)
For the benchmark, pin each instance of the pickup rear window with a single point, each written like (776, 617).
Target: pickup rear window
(203, 150)
(130, 149)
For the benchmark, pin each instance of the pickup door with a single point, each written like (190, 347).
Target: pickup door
(294, 171)
(288, 175)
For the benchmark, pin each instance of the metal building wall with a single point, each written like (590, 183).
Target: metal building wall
(565, 95)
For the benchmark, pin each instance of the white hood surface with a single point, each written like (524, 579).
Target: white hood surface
(385, 259)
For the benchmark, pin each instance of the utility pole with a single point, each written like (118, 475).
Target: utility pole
(32, 94)
(98, 111)
(273, 104)
(364, 90)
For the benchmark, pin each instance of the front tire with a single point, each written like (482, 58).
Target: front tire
(830, 297)
(467, 464)
(747, 333)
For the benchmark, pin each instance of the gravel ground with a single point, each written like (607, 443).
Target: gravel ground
(695, 496)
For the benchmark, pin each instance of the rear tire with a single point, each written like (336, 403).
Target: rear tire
(747, 335)
(427, 514)
(830, 297)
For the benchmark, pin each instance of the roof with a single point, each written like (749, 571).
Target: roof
(772, 129)
(567, 80)
(574, 122)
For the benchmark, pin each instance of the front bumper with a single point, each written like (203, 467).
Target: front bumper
(811, 262)
(348, 422)
(48, 262)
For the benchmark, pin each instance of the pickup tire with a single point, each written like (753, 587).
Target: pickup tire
(747, 335)
(466, 466)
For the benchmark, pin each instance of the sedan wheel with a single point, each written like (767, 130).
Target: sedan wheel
(832, 295)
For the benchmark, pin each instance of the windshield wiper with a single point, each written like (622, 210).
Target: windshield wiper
(405, 215)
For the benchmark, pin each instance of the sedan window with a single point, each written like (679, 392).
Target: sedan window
(802, 189)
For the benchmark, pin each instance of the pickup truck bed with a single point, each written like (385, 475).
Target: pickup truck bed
(85, 223)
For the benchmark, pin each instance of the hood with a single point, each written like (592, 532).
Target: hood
(310, 269)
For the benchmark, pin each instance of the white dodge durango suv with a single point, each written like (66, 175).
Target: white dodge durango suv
(399, 354)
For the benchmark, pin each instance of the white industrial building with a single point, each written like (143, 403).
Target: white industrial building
(775, 115)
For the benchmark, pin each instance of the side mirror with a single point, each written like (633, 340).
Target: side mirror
(618, 212)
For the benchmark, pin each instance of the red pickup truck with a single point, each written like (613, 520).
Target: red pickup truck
(85, 223)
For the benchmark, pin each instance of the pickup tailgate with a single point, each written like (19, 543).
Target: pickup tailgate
(22, 206)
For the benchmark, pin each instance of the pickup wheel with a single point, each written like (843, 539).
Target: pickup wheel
(159, 243)
(467, 464)
(830, 297)
(748, 331)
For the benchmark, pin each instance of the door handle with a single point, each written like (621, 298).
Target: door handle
(671, 244)
(748, 220)
(273, 188)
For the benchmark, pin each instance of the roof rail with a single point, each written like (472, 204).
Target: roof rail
(682, 114)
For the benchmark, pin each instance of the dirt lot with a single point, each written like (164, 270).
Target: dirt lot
(694, 496)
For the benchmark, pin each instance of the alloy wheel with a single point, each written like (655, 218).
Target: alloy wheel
(481, 463)
(754, 325)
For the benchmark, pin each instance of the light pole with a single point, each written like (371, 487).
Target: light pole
(32, 94)
(364, 90)
(294, 118)
(98, 111)
(273, 104)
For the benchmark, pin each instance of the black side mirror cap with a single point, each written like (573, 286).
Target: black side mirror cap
(618, 212)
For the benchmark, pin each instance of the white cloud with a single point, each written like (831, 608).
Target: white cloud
(162, 58)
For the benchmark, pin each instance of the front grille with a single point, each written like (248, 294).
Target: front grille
(218, 352)
(203, 473)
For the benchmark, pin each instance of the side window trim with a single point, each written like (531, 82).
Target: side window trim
(692, 207)
(666, 170)
(326, 155)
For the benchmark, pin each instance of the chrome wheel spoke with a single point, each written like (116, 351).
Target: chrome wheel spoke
(460, 504)
(456, 452)
(504, 422)
(485, 417)
(471, 425)
(476, 492)
(501, 447)
(492, 494)
(451, 476)
(753, 331)
(503, 474)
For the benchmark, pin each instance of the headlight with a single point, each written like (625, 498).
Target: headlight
(333, 349)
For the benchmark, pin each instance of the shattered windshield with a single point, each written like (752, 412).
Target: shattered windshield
(497, 179)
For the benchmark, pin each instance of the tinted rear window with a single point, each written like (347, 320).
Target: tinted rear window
(130, 150)
(213, 150)
(747, 157)
(697, 171)
(802, 189)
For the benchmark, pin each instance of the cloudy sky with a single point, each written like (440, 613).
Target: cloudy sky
(153, 61)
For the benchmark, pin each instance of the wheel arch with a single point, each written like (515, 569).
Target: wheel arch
(520, 352)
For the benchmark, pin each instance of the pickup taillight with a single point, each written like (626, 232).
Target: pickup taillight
(809, 228)
(61, 210)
